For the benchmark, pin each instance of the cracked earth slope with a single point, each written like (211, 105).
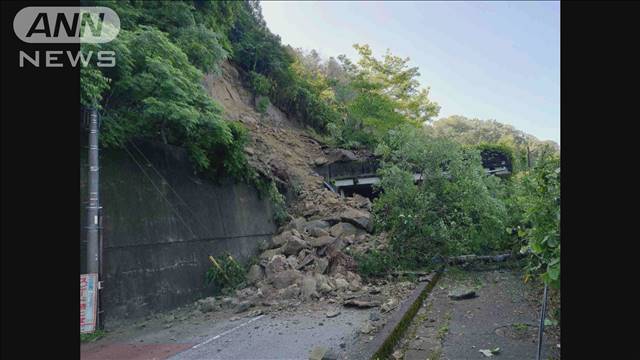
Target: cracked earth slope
(279, 147)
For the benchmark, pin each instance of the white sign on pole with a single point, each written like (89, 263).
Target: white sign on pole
(88, 302)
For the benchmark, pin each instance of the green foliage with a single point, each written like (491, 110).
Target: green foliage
(539, 198)
(394, 78)
(267, 187)
(202, 46)
(260, 84)
(374, 97)
(225, 273)
(263, 104)
(503, 148)
(452, 211)
(157, 93)
(93, 84)
(90, 337)
(525, 148)
(374, 263)
(155, 90)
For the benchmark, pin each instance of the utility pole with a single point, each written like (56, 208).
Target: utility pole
(94, 221)
(93, 206)
(541, 327)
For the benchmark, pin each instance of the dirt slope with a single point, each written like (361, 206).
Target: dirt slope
(278, 146)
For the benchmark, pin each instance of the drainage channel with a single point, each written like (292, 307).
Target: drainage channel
(383, 344)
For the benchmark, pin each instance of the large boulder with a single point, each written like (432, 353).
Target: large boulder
(341, 284)
(277, 264)
(294, 245)
(297, 224)
(292, 261)
(280, 169)
(269, 254)
(290, 292)
(351, 276)
(359, 201)
(343, 229)
(321, 224)
(342, 155)
(286, 278)
(320, 161)
(323, 284)
(358, 218)
(208, 304)
(280, 239)
(306, 260)
(321, 241)
(321, 265)
(318, 232)
(255, 274)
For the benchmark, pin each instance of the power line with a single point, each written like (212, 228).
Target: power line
(160, 192)
(170, 187)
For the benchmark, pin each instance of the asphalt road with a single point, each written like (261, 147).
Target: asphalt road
(500, 316)
(290, 334)
(286, 336)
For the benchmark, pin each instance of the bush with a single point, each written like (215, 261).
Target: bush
(452, 211)
(260, 84)
(263, 104)
(225, 273)
(375, 263)
(539, 197)
(267, 187)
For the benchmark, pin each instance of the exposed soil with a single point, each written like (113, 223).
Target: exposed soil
(278, 146)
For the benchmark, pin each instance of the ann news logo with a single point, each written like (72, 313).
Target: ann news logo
(66, 25)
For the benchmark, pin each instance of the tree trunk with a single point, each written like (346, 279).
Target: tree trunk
(485, 258)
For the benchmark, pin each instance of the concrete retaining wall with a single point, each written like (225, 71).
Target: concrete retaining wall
(159, 228)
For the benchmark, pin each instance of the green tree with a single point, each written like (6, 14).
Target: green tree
(451, 211)
(525, 148)
(395, 79)
(539, 197)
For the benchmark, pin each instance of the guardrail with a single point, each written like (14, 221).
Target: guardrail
(350, 169)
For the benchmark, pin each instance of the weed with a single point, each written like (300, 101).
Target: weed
(263, 104)
(444, 329)
(90, 337)
(225, 273)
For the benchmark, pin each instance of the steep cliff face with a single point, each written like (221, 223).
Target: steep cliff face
(279, 147)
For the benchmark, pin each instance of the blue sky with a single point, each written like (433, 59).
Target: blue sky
(487, 60)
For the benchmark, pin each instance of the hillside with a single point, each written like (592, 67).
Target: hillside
(468, 131)
(279, 147)
(306, 257)
(210, 77)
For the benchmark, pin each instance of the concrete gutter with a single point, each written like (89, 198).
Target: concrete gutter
(382, 345)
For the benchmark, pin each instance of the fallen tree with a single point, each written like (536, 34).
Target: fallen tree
(466, 259)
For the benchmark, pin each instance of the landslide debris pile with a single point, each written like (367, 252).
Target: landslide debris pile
(306, 258)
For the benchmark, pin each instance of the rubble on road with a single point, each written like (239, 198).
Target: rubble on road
(308, 258)
(462, 294)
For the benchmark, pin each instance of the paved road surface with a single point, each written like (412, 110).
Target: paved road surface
(282, 335)
(501, 316)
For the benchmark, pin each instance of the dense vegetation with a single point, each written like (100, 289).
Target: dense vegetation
(525, 149)
(155, 91)
(457, 209)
